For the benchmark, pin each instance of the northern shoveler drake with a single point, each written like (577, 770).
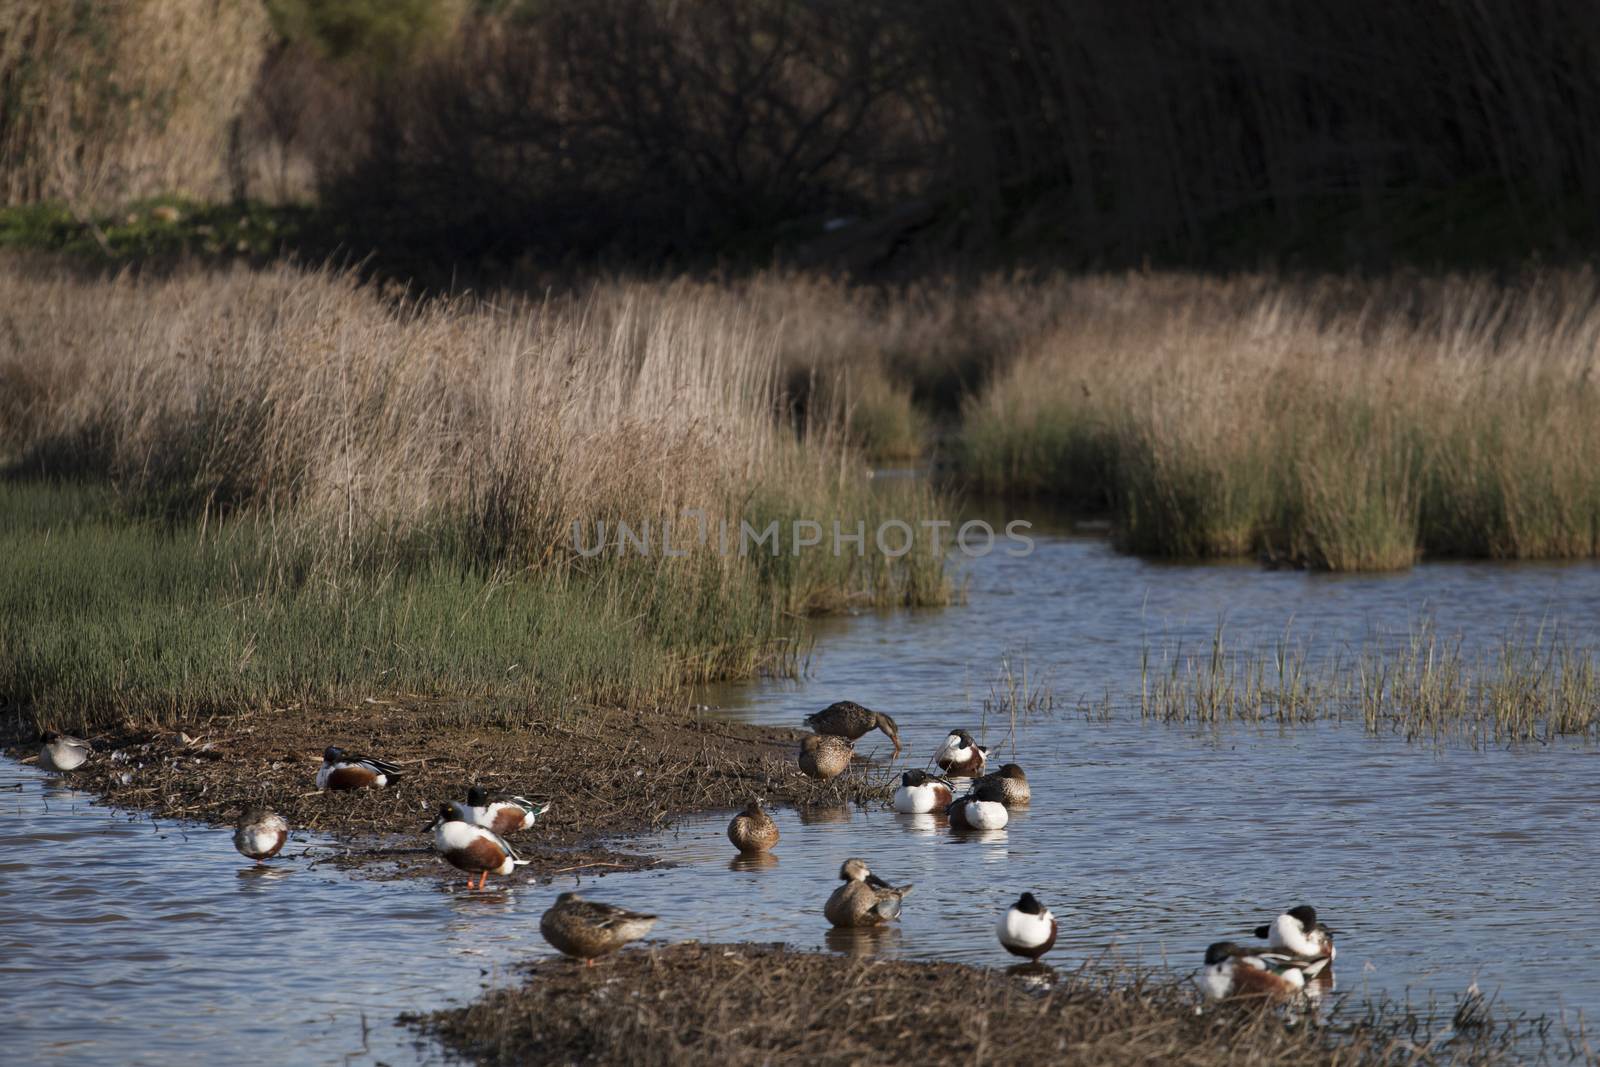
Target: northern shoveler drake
(849, 719)
(586, 929)
(342, 770)
(981, 809)
(1027, 929)
(921, 792)
(470, 847)
(1235, 971)
(960, 756)
(58, 752)
(864, 899)
(752, 830)
(1298, 933)
(825, 756)
(260, 834)
(504, 813)
(1013, 784)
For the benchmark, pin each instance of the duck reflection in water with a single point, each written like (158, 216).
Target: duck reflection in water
(924, 825)
(258, 875)
(753, 861)
(815, 816)
(862, 942)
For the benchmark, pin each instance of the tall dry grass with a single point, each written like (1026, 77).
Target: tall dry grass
(107, 102)
(365, 470)
(1340, 424)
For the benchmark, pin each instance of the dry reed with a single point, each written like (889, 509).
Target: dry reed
(1339, 424)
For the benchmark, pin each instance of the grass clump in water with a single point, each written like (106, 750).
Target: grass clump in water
(1527, 689)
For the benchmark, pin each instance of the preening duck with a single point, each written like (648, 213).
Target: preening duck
(1298, 933)
(260, 834)
(472, 848)
(1235, 971)
(921, 792)
(504, 813)
(752, 830)
(1013, 785)
(342, 770)
(60, 753)
(1027, 929)
(960, 756)
(587, 929)
(825, 756)
(849, 719)
(864, 899)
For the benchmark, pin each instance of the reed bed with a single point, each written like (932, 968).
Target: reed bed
(315, 487)
(1338, 424)
(1528, 688)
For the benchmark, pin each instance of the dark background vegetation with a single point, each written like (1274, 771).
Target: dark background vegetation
(878, 136)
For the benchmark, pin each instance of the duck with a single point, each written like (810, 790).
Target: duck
(260, 833)
(752, 830)
(1027, 928)
(1013, 784)
(504, 813)
(1298, 933)
(864, 899)
(1235, 971)
(981, 809)
(960, 756)
(825, 756)
(921, 792)
(846, 718)
(59, 752)
(472, 848)
(341, 770)
(588, 929)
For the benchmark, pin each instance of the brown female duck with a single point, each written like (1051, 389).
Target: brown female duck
(753, 830)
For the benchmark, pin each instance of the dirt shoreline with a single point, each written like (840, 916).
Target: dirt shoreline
(610, 772)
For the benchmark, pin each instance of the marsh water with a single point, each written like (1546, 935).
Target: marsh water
(124, 940)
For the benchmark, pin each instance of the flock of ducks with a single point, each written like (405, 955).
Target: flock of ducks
(1298, 947)
(471, 836)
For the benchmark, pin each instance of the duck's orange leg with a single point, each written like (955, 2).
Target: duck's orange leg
(484, 881)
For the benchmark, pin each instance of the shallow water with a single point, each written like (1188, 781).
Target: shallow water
(127, 941)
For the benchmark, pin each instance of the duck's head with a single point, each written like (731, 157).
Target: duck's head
(447, 812)
(569, 897)
(890, 729)
(912, 779)
(332, 754)
(809, 742)
(1013, 772)
(1305, 915)
(49, 737)
(1219, 951)
(253, 814)
(753, 809)
(1030, 904)
(988, 790)
(477, 796)
(854, 870)
(963, 738)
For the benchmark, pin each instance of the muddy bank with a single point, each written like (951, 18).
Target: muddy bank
(759, 1004)
(608, 771)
